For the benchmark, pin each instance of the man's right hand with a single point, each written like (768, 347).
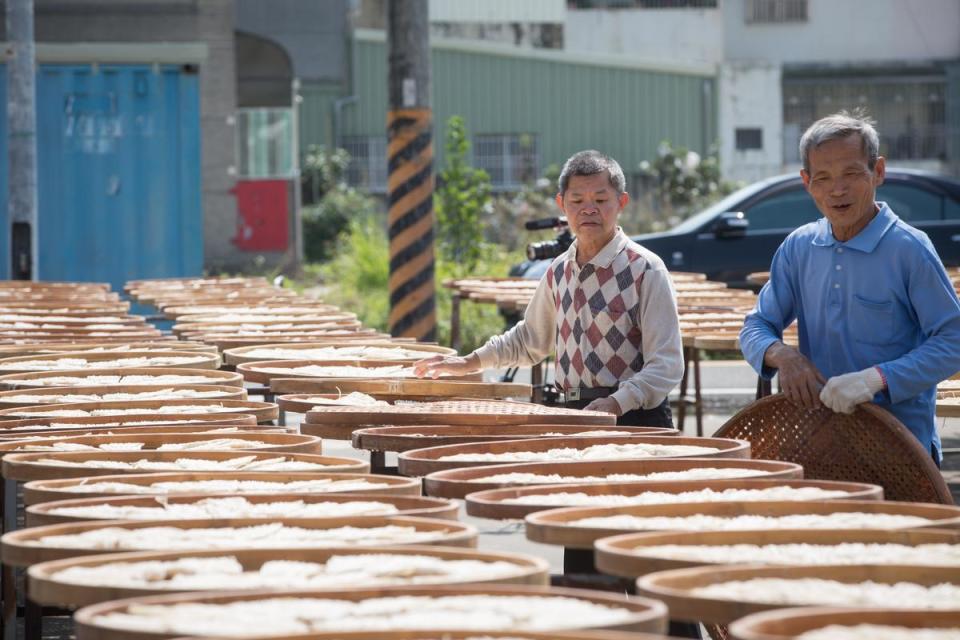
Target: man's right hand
(435, 366)
(800, 380)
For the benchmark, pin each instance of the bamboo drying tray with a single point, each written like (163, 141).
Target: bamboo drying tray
(44, 588)
(402, 388)
(554, 526)
(447, 634)
(267, 317)
(241, 355)
(490, 504)
(196, 360)
(224, 341)
(44, 513)
(196, 332)
(21, 550)
(223, 430)
(649, 615)
(623, 555)
(784, 624)
(420, 462)
(25, 467)
(38, 348)
(294, 306)
(18, 429)
(272, 442)
(457, 483)
(35, 379)
(258, 371)
(263, 411)
(7, 400)
(947, 404)
(39, 491)
(675, 587)
(407, 438)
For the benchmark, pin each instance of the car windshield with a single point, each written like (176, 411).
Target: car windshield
(732, 202)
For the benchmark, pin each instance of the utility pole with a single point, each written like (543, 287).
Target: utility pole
(413, 308)
(22, 150)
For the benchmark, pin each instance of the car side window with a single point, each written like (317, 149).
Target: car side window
(910, 203)
(951, 209)
(785, 210)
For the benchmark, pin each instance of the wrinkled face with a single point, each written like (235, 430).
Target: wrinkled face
(842, 184)
(592, 207)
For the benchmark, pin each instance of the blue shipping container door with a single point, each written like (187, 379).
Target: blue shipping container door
(119, 173)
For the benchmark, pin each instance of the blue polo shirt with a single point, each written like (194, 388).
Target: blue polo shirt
(880, 299)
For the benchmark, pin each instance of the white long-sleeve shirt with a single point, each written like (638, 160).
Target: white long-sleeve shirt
(612, 321)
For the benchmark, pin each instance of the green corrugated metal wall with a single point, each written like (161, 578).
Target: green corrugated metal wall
(624, 112)
(316, 109)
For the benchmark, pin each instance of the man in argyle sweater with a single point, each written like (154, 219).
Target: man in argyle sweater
(607, 306)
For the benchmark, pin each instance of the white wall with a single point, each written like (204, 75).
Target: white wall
(845, 31)
(688, 35)
(750, 96)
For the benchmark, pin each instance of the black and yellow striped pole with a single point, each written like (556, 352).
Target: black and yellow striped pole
(410, 218)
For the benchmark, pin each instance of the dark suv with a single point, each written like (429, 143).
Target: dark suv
(740, 234)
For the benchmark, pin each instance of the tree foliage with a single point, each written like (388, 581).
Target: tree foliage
(684, 182)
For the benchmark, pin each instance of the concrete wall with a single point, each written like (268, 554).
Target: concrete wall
(751, 97)
(690, 35)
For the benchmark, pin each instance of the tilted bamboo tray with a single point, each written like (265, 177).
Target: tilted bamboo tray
(48, 348)
(675, 587)
(490, 504)
(407, 438)
(268, 317)
(263, 411)
(420, 462)
(294, 306)
(623, 555)
(224, 341)
(44, 587)
(785, 624)
(447, 634)
(197, 332)
(44, 513)
(947, 404)
(40, 491)
(223, 430)
(457, 483)
(269, 442)
(241, 355)
(258, 371)
(20, 548)
(196, 361)
(554, 526)
(35, 379)
(402, 388)
(49, 394)
(18, 429)
(25, 467)
(648, 615)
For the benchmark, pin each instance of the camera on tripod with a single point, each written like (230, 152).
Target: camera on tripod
(549, 249)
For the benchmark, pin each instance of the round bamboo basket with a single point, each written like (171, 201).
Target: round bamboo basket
(40, 491)
(25, 467)
(195, 331)
(224, 430)
(21, 549)
(457, 483)
(18, 429)
(784, 624)
(555, 525)
(447, 634)
(420, 462)
(623, 555)
(401, 388)
(101, 361)
(264, 370)
(647, 616)
(37, 379)
(242, 355)
(47, 512)
(263, 411)
(225, 341)
(407, 438)
(268, 442)
(38, 348)
(46, 589)
(48, 395)
(491, 504)
(297, 306)
(268, 318)
(675, 588)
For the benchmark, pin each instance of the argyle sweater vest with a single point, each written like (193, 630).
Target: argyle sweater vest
(598, 329)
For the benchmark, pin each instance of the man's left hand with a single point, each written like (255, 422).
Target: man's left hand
(606, 405)
(844, 393)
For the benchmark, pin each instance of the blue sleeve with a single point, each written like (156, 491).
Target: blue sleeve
(775, 310)
(938, 312)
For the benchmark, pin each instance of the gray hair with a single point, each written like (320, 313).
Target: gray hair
(588, 163)
(841, 125)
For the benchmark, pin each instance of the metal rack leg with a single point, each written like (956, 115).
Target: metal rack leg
(32, 621)
(684, 385)
(697, 391)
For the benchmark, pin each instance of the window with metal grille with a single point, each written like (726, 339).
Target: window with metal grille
(773, 11)
(266, 145)
(511, 160)
(748, 138)
(368, 162)
(910, 112)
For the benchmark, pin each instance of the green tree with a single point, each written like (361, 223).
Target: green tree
(461, 199)
(683, 181)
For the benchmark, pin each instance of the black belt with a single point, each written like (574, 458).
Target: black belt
(579, 394)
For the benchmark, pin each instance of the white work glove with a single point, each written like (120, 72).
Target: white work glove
(844, 393)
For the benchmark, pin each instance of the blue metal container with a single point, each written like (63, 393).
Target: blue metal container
(118, 154)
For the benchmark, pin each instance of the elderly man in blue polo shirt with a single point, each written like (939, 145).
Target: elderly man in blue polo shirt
(878, 317)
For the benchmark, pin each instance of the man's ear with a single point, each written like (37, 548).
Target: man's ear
(560, 201)
(879, 171)
(623, 199)
(805, 177)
